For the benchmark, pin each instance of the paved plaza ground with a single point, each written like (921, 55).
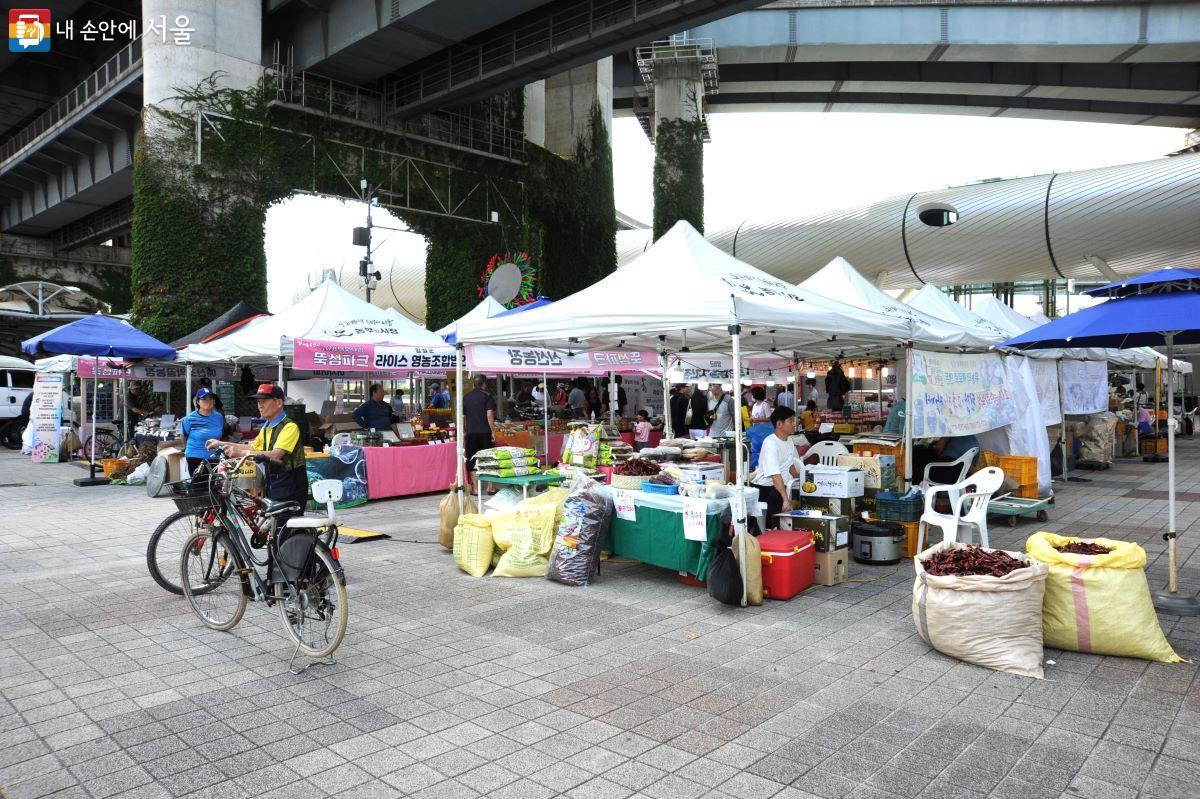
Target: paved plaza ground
(449, 686)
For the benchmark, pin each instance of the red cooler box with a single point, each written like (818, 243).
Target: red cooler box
(787, 562)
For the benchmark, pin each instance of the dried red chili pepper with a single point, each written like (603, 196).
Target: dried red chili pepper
(971, 560)
(1084, 548)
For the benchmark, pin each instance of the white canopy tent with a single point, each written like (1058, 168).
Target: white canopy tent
(484, 310)
(933, 301)
(840, 281)
(683, 294)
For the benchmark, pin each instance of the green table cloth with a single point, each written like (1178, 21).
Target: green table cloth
(657, 538)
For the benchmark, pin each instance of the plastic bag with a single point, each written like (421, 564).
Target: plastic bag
(724, 580)
(473, 544)
(582, 446)
(138, 476)
(989, 621)
(754, 584)
(448, 513)
(575, 557)
(1099, 603)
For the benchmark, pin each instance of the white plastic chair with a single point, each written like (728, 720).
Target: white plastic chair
(963, 462)
(968, 506)
(826, 452)
(328, 492)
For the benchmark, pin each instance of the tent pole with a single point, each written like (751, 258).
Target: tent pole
(124, 415)
(668, 431)
(738, 502)
(1062, 420)
(458, 419)
(612, 398)
(1171, 602)
(187, 390)
(546, 416)
(908, 415)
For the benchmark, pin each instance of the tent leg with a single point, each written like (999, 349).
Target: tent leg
(668, 431)
(460, 446)
(187, 390)
(738, 502)
(612, 398)
(546, 417)
(1172, 602)
(92, 479)
(908, 415)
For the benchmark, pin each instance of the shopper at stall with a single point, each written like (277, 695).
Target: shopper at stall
(135, 408)
(622, 397)
(641, 431)
(398, 403)
(198, 427)
(837, 386)
(440, 399)
(206, 382)
(721, 412)
(940, 450)
(593, 406)
(577, 398)
(778, 464)
(374, 414)
(525, 395)
(479, 423)
(539, 394)
(810, 389)
(810, 420)
(760, 422)
(279, 441)
(785, 398)
(698, 420)
(679, 405)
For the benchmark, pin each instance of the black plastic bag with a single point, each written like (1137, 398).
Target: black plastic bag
(724, 579)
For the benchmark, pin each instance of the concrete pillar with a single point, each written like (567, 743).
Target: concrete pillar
(227, 38)
(677, 125)
(568, 102)
(678, 91)
(535, 113)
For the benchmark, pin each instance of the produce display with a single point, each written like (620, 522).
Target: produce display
(971, 560)
(581, 447)
(1083, 548)
(637, 467)
(664, 478)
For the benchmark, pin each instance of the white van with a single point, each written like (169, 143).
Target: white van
(16, 383)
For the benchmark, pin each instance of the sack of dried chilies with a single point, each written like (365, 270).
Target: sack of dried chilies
(1097, 598)
(983, 606)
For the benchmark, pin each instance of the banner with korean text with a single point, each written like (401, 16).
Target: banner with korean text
(330, 357)
(1085, 386)
(105, 370)
(698, 368)
(959, 395)
(45, 414)
(536, 360)
(1045, 379)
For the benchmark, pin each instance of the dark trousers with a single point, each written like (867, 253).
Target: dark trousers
(774, 500)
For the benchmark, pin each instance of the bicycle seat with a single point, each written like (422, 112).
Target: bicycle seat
(273, 508)
(310, 522)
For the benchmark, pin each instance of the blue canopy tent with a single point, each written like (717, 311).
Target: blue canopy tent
(1161, 307)
(98, 336)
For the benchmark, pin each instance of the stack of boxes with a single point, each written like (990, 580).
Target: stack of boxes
(1022, 469)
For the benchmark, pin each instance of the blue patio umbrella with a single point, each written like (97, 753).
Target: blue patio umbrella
(98, 336)
(1161, 307)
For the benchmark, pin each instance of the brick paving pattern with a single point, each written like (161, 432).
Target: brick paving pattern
(447, 686)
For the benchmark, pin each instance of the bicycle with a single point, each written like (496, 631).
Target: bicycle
(303, 580)
(11, 431)
(195, 512)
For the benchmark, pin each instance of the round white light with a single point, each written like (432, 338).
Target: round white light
(702, 385)
(811, 373)
(791, 378)
(745, 381)
(771, 382)
(850, 372)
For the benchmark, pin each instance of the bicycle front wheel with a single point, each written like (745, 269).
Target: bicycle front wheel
(107, 445)
(209, 575)
(315, 610)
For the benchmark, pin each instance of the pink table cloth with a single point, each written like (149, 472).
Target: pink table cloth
(401, 471)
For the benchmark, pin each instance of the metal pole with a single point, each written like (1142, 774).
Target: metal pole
(124, 415)
(458, 420)
(187, 389)
(908, 416)
(668, 431)
(1172, 578)
(1062, 419)
(612, 398)
(738, 501)
(546, 416)
(95, 410)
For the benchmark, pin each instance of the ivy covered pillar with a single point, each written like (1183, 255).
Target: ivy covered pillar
(198, 228)
(678, 129)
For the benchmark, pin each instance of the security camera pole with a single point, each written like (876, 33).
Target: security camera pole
(362, 238)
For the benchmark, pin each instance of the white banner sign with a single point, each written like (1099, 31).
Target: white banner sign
(45, 415)
(1085, 386)
(719, 369)
(623, 501)
(695, 518)
(958, 395)
(1045, 378)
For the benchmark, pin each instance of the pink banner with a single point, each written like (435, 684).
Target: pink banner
(318, 356)
(537, 360)
(87, 368)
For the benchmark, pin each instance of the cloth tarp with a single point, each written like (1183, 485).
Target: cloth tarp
(840, 281)
(1026, 435)
(329, 313)
(683, 291)
(233, 319)
(484, 310)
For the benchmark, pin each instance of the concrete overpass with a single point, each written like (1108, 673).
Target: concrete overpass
(1123, 62)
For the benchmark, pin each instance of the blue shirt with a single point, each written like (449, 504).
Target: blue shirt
(372, 415)
(200, 428)
(441, 399)
(957, 446)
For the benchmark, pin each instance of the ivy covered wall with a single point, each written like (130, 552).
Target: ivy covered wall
(678, 174)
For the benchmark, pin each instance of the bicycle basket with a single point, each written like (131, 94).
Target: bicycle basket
(190, 498)
(294, 557)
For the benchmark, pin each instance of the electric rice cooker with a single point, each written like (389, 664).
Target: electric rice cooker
(878, 542)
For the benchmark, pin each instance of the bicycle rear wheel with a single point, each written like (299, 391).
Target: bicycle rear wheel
(107, 445)
(208, 574)
(165, 546)
(315, 610)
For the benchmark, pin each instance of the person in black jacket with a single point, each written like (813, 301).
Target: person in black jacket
(678, 410)
(698, 426)
(837, 386)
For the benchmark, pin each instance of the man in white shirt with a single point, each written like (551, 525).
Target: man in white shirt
(778, 463)
(786, 398)
(539, 394)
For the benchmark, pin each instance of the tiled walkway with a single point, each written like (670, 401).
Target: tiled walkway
(448, 686)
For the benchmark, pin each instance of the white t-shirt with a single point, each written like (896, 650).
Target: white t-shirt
(775, 458)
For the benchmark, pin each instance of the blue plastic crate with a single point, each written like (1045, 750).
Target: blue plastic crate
(659, 488)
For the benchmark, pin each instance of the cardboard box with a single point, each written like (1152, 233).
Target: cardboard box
(830, 505)
(829, 531)
(879, 471)
(834, 481)
(174, 458)
(831, 568)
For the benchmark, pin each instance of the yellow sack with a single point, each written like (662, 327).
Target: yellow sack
(525, 535)
(448, 514)
(754, 586)
(473, 544)
(1099, 603)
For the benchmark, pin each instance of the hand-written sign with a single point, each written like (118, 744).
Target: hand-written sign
(957, 395)
(623, 501)
(695, 519)
(1085, 386)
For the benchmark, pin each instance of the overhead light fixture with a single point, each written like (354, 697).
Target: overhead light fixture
(702, 385)
(745, 381)
(850, 372)
(770, 381)
(791, 378)
(870, 373)
(811, 373)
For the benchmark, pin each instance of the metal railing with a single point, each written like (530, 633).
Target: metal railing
(125, 63)
(573, 24)
(366, 106)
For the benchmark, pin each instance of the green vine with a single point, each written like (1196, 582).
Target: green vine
(678, 174)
